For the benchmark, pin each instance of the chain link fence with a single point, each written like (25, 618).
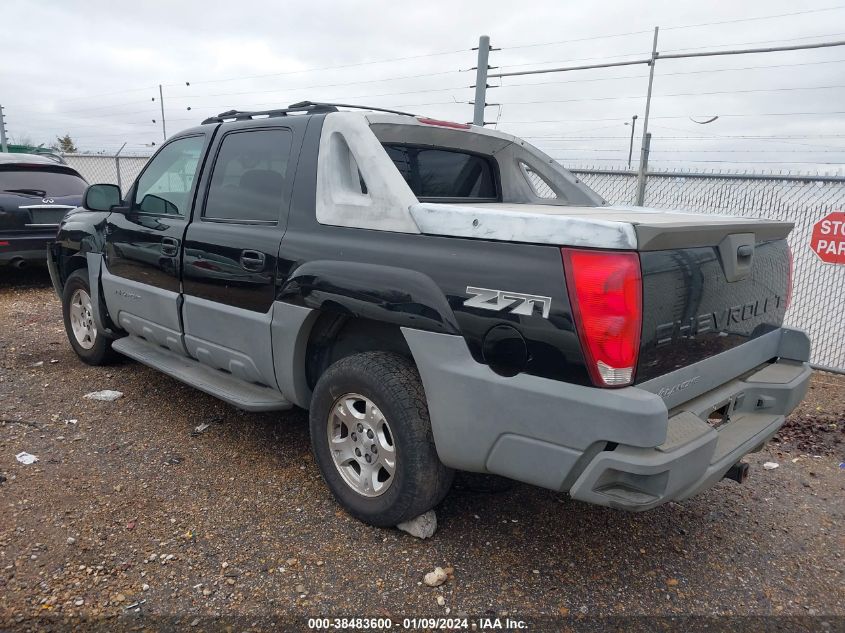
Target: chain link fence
(818, 300)
(117, 170)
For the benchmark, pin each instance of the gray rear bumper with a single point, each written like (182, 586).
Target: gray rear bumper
(622, 447)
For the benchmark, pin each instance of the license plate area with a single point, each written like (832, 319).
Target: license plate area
(47, 216)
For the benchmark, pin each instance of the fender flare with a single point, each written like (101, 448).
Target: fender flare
(101, 316)
(397, 296)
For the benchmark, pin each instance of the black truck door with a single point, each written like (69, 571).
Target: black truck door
(232, 245)
(141, 271)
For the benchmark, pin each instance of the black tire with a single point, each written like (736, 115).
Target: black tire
(392, 383)
(100, 353)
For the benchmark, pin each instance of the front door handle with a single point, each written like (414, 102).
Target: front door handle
(252, 260)
(169, 246)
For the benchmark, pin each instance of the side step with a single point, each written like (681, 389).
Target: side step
(239, 393)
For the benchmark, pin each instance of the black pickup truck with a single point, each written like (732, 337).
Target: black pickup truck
(440, 297)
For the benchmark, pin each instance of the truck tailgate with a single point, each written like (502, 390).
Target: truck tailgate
(696, 304)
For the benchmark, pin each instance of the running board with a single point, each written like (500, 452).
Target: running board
(239, 393)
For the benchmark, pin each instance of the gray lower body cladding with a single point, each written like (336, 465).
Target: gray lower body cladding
(621, 448)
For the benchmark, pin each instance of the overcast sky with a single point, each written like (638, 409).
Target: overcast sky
(92, 68)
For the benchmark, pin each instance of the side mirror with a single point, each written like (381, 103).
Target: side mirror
(101, 197)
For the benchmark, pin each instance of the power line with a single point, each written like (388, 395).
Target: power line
(670, 28)
(250, 92)
(545, 101)
(312, 70)
(762, 17)
(455, 51)
(365, 96)
(734, 162)
(676, 150)
(665, 52)
(334, 85)
(710, 46)
(675, 94)
(95, 96)
(580, 39)
(718, 136)
(681, 117)
(693, 138)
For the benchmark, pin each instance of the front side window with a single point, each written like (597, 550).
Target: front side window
(165, 186)
(442, 173)
(248, 181)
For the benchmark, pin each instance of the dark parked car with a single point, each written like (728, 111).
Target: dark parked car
(35, 194)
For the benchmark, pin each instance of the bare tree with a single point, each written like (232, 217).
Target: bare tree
(65, 144)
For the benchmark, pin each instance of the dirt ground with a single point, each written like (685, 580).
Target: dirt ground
(128, 512)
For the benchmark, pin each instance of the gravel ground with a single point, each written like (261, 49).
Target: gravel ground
(127, 505)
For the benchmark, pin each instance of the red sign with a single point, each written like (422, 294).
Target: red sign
(828, 240)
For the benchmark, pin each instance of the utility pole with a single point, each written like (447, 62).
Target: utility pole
(481, 80)
(161, 101)
(641, 172)
(643, 169)
(633, 125)
(3, 146)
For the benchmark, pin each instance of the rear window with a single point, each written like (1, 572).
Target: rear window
(41, 181)
(443, 173)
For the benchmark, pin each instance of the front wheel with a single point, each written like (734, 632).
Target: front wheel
(372, 439)
(88, 341)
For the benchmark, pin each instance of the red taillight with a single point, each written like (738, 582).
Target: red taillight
(789, 276)
(605, 290)
(4, 243)
(451, 124)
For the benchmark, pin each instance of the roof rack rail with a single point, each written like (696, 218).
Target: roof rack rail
(349, 105)
(238, 115)
(311, 107)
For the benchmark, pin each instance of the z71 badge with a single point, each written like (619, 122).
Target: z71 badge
(498, 300)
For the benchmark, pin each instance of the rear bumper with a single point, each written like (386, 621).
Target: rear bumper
(29, 248)
(627, 448)
(695, 455)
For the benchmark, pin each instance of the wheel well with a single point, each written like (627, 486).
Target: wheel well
(71, 263)
(337, 336)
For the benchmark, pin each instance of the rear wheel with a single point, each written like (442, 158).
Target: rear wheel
(87, 340)
(371, 436)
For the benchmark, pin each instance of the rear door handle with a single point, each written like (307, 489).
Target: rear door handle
(252, 260)
(169, 246)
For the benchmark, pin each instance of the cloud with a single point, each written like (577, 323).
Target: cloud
(95, 72)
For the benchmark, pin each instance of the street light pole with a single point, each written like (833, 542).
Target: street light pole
(161, 102)
(631, 145)
(641, 174)
(3, 146)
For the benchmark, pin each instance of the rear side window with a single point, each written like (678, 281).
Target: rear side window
(47, 181)
(442, 173)
(248, 181)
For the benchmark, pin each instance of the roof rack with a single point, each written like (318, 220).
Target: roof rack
(310, 107)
